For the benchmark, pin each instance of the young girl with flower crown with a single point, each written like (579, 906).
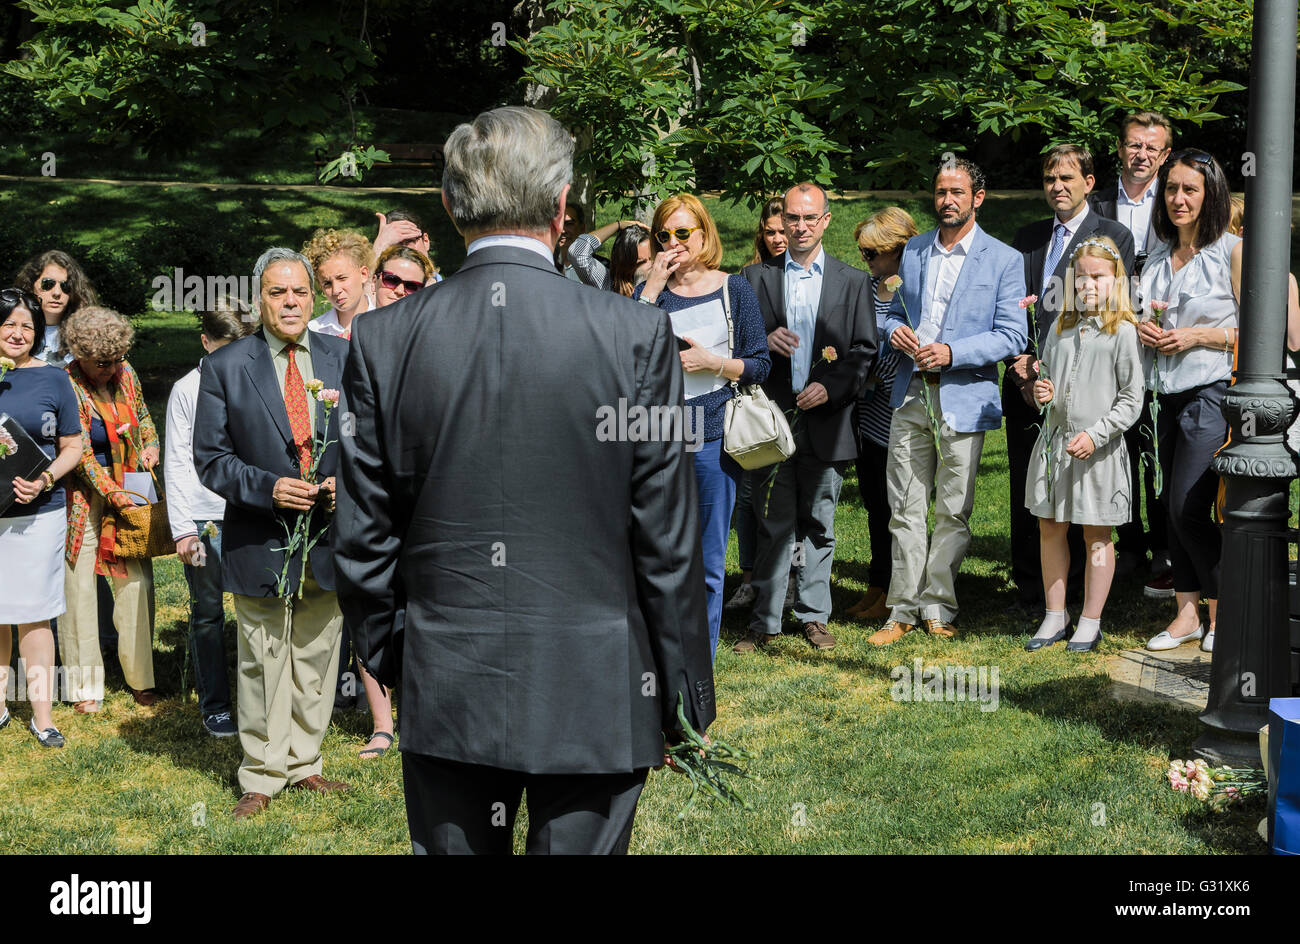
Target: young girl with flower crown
(1079, 473)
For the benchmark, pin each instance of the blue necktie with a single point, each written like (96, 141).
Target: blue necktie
(1054, 254)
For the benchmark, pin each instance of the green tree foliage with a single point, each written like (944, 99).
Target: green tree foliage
(886, 87)
(160, 72)
(667, 95)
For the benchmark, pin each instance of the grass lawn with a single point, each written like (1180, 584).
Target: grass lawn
(842, 767)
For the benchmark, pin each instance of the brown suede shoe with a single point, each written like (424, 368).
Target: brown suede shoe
(868, 601)
(318, 784)
(250, 804)
(890, 633)
(146, 697)
(816, 634)
(752, 642)
(939, 628)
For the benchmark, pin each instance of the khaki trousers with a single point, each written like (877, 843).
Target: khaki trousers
(922, 583)
(285, 688)
(133, 616)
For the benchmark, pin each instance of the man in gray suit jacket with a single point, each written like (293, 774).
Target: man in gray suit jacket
(550, 569)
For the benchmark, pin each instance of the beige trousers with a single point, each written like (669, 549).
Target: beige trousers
(133, 616)
(922, 583)
(287, 667)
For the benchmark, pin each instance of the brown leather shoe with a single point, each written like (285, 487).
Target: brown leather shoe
(318, 784)
(816, 634)
(752, 642)
(939, 628)
(890, 633)
(250, 804)
(145, 698)
(868, 601)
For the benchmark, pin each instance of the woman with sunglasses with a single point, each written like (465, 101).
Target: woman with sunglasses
(118, 436)
(32, 527)
(400, 271)
(59, 282)
(684, 274)
(880, 240)
(1196, 272)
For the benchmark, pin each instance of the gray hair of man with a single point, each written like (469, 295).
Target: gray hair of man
(271, 257)
(506, 171)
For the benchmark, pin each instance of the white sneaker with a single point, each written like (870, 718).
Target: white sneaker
(1207, 644)
(1162, 640)
(744, 596)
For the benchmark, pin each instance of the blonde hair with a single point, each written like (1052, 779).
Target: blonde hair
(97, 333)
(1237, 221)
(327, 243)
(1119, 306)
(886, 231)
(711, 254)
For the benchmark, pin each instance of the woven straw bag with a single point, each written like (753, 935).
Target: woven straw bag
(142, 530)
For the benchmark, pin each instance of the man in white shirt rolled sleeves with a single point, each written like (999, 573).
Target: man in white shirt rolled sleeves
(195, 515)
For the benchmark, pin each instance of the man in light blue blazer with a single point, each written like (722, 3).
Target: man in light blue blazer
(956, 315)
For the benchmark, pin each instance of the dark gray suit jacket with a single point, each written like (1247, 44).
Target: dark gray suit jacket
(243, 445)
(551, 570)
(846, 321)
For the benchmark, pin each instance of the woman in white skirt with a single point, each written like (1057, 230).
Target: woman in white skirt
(1091, 378)
(37, 398)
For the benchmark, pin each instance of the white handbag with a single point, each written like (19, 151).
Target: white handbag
(754, 432)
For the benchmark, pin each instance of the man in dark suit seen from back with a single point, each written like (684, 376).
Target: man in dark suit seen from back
(551, 574)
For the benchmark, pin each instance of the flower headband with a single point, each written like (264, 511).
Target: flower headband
(1104, 247)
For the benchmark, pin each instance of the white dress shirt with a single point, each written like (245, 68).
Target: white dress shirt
(188, 500)
(1136, 215)
(510, 239)
(328, 323)
(940, 280)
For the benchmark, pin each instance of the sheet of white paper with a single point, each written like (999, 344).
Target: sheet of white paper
(141, 482)
(706, 325)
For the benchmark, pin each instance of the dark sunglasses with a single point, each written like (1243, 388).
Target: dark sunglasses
(1193, 154)
(868, 255)
(682, 233)
(105, 365)
(391, 282)
(47, 284)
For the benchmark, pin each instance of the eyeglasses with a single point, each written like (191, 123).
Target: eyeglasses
(391, 282)
(868, 255)
(1136, 147)
(47, 284)
(790, 220)
(105, 365)
(682, 233)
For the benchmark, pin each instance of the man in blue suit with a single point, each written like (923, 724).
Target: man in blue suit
(254, 428)
(956, 315)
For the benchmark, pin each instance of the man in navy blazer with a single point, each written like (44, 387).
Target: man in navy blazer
(254, 425)
(956, 314)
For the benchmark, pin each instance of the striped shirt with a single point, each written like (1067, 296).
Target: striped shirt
(874, 411)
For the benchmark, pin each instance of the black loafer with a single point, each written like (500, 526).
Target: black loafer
(1035, 644)
(1084, 646)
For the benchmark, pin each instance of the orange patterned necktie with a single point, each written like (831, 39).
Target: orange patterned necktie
(295, 404)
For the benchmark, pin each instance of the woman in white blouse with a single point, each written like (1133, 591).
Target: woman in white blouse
(1196, 272)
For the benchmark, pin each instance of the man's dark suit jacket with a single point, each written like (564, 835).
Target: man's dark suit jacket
(553, 582)
(846, 320)
(1104, 200)
(1033, 242)
(243, 445)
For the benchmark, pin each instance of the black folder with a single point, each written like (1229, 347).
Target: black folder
(22, 459)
